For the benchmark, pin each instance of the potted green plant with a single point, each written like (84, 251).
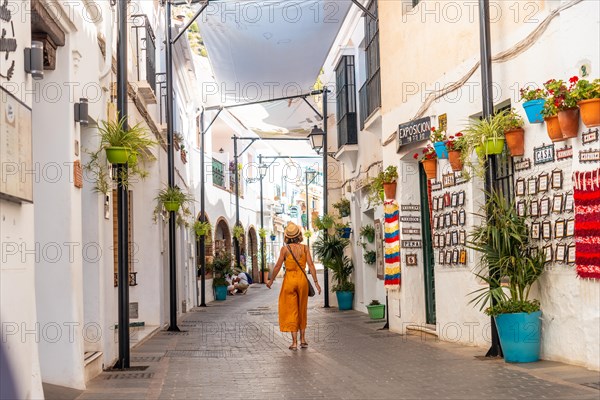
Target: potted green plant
(177, 140)
(330, 250)
(262, 233)
(455, 144)
(376, 310)
(183, 154)
(172, 198)
(221, 267)
(238, 232)
(428, 158)
(438, 139)
(370, 257)
(120, 142)
(343, 207)
(587, 95)
(510, 270)
(368, 232)
(514, 132)
(383, 186)
(534, 99)
(201, 229)
(344, 230)
(324, 222)
(564, 104)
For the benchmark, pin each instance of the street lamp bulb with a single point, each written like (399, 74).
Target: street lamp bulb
(262, 170)
(316, 138)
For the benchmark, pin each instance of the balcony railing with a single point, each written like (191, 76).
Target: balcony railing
(370, 98)
(145, 43)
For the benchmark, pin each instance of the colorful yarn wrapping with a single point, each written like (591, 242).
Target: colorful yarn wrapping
(392, 278)
(587, 223)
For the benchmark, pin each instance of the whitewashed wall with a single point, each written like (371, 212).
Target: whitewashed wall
(569, 304)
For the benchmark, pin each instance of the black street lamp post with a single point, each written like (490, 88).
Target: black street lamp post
(122, 200)
(309, 177)
(262, 172)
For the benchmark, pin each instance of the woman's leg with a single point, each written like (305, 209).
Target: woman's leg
(294, 345)
(303, 342)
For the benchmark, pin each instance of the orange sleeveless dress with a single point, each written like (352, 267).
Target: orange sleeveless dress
(293, 298)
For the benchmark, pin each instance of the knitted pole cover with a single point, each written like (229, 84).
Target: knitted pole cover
(392, 246)
(587, 223)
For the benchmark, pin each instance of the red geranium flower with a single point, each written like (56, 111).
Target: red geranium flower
(573, 79)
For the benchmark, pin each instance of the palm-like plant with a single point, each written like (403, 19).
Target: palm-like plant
(330, 250)
(503, 242)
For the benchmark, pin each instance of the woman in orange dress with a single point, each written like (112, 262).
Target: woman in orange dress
(293, 298)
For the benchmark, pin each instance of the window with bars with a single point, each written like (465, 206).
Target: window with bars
(370, 92)
(346, 101)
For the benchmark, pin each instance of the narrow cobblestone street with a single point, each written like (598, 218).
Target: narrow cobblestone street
(233, 350)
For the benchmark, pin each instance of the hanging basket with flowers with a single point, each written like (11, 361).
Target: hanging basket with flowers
(429, 160)
(438, 138)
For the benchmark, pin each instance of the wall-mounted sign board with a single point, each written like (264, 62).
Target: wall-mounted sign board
(543, 154)
(414, 131)
(411, 244)
(410, 219)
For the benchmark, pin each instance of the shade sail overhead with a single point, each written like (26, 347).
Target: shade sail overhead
(269, 49)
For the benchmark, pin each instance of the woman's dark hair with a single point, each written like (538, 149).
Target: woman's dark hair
(297, 239)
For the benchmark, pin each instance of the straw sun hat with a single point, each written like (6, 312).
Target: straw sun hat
(292, 231)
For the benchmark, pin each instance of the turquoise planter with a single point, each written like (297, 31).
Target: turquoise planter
(221, 293)
(344, 300)
(533, 109)
(520, 336)
(441, 150)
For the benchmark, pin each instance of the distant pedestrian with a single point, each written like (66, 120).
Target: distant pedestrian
(293, 298)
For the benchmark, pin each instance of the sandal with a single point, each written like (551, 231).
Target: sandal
(293, 347)
(303, 345)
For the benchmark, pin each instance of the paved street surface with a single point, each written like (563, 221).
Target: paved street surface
(233, 350)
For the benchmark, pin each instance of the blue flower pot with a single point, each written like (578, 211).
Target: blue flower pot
(441, 150)
(345, 233)
(520, 336)
(533, 109)
(344, 300)
(221, 293)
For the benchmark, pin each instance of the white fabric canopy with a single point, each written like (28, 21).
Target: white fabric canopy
(262, 50)
(269, 49)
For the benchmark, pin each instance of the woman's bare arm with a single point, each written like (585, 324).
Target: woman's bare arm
(277, 267)
(313, 270)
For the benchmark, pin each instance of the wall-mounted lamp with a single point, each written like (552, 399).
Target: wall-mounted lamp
(34, 60)
(81, 112)
(316, 138)
(221, 150)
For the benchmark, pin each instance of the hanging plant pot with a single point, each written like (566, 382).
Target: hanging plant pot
(273, 237)
(117, 155)
(430, 167)
(265, 276)
(345, 233)
(455, 161)
(553, 129)
(389, 188)
(515, 140)
(171, 206)
(569, 122)
(441, 150)
(533, 109)
(493, 146)
(590, 112)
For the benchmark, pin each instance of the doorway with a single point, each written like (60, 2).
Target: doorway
(428, 255)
